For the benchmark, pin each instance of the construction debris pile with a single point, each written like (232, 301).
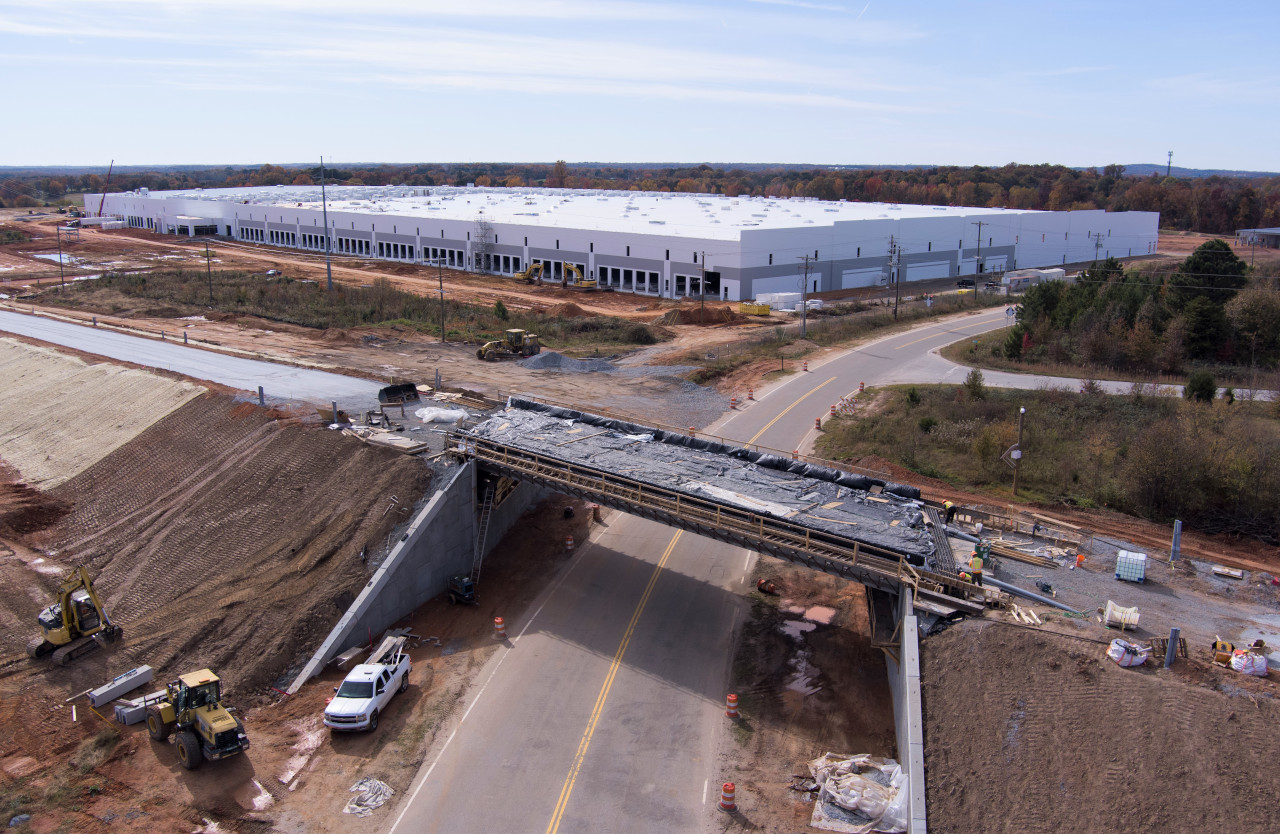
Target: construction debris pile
(859, 794)
(844, 506)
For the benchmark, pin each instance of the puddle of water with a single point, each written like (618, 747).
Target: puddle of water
(55, 257)
(796, 629)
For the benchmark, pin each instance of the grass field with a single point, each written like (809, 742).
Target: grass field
(1214, 464)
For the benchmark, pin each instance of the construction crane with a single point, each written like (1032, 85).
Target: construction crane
(103, 201)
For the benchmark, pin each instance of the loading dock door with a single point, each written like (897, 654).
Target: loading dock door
(854, 278)
(925, 271)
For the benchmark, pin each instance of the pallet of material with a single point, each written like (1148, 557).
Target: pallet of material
(1019, 556)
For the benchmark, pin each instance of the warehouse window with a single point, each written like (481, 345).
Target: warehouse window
(859, 255)
(668, 254)
(628, 251)
(930, 249)
(591, 247)
(771, 260)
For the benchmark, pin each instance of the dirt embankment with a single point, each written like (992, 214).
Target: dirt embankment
(1028, 731)
(219, 536)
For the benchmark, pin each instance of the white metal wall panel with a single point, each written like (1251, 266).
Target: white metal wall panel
(926, 270)
(853, 278)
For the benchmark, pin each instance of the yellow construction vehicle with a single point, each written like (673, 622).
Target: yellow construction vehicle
(74, 624)
(517, 343)
(205, 728)
(573, 279)
(532, 275)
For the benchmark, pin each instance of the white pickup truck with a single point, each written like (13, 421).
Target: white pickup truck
(369, 688)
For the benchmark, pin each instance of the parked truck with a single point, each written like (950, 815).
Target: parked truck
(369, 687)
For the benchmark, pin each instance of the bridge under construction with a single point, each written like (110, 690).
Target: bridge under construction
(839, 522)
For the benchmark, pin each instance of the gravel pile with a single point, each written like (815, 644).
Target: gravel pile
(552, 361)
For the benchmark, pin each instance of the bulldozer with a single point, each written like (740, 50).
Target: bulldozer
(74, 625)
(532, 275)
(573, 279)
(517, 343)
(205, 728)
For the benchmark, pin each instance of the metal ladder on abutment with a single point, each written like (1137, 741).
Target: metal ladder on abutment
(482, 532)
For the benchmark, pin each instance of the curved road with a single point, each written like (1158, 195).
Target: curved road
(604, 712)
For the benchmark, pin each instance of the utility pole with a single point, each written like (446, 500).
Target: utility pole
(1017, 452)
(208, 268)
(702, 291)
(978, 257)
(324, 204)
(1097, 247)
(1168, 168)
(894, 266)
(440, 275)
(61, 273)
(804, 304)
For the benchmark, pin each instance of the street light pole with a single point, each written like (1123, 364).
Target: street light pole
(208, 268)
(1017, 452)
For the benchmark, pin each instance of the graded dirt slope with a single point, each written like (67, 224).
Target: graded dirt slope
(1028, 731)
(222, 537)
(59, 415)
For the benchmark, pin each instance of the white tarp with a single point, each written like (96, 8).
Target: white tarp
(372, 794)
(859, 794)
(440, 415)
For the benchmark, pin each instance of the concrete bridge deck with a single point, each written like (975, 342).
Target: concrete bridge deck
(848, 525)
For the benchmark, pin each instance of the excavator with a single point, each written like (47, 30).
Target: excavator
(573, 279)
(532, 275)
(73, 625)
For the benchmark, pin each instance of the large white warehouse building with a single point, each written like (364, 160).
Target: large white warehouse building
(658, 244)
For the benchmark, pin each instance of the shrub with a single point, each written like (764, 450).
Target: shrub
(913, 397)
(500, 310)
(1200, 387)
(973, 385)
(927, 423)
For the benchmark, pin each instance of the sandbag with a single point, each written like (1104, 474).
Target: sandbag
(1249, 663)
(1128, 654)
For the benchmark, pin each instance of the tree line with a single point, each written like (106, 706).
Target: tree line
(1206, 310)
(1216, 204)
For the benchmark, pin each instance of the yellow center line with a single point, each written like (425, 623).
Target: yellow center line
(565, 791)
(769, 425)
(950, 331)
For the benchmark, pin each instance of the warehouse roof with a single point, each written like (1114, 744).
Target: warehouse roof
(713, 216)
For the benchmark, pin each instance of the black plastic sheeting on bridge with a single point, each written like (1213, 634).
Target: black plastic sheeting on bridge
(838, 508)
(806, 470)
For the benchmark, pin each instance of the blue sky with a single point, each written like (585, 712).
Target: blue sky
(798, 81)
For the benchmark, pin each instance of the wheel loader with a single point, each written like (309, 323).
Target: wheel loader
(205, 728)
(73, 625)
(516, 344)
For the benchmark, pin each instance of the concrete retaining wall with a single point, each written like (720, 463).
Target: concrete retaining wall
(439, 542)
(908, 715)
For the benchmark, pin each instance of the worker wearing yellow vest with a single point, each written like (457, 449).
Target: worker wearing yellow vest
(975, 568)
(950, 511)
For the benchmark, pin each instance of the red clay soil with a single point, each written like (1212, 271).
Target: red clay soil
(1028, 731)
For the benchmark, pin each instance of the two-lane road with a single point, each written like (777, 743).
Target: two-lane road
(782, 417)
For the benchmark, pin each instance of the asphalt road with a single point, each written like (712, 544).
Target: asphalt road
(782, 416)
(603, 712)
(278, 381)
